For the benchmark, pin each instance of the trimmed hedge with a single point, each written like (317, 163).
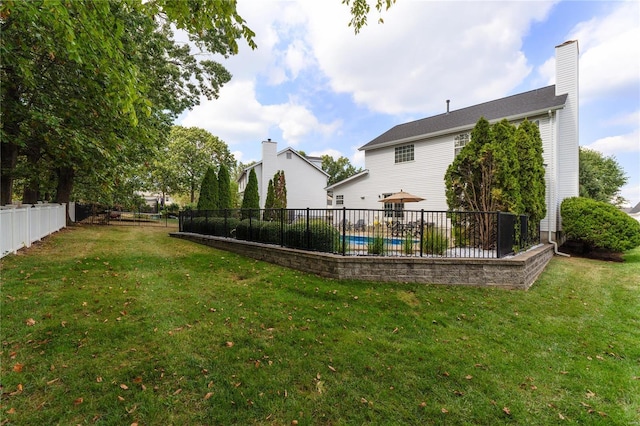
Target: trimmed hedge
(599, 225)
(210, 225)
(321, 236)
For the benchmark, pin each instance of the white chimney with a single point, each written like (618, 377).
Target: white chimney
(269, 167)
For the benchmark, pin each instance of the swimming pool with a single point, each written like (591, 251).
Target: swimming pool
(360, 240)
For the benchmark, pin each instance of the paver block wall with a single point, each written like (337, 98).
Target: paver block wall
(518, 272)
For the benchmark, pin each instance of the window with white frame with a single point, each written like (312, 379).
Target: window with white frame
(404, 153)
(459, 142)
(339, 200)
(393, 209)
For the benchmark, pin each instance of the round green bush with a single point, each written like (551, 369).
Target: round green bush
(599, 225)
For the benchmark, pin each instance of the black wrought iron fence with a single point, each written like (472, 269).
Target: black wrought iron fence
(96, 214)
(371, 232)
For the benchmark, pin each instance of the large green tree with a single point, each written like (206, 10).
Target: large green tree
(89, 85)
(191, 151)
(339, 169)
(600, 177)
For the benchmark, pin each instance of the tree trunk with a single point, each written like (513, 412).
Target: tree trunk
(31, 191)
(12, 116)
(9, 159)
(65, 185)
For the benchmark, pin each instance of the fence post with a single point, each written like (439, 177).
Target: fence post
(498, 235)
(344, 231)
(281, 226)
(251, 224)
(421, 230)
(308, 231)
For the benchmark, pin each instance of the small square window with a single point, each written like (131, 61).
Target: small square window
(404, 153)
(339, 200)
(289, 156)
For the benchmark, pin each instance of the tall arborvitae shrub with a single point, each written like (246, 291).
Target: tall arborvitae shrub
(280, 190)
(208, 199)
(224, 188)
(500, 169)
(506, 188)
(251, 199)
(531, 174)
(269, 202)
(469, 182)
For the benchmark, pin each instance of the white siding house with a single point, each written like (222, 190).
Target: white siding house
(306, 181)
(414, 156)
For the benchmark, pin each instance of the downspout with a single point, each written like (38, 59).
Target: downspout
(555, 244)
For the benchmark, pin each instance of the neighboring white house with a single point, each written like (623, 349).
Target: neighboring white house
(306, 181)
(414, 156)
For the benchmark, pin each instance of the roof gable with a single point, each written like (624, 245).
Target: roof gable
(288, 149)
(534, 101)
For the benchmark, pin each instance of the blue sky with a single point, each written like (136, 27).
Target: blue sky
(314, 85)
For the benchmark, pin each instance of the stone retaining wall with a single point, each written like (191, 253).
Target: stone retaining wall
(518, 272)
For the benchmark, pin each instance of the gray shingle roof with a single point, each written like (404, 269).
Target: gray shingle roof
(511, 106)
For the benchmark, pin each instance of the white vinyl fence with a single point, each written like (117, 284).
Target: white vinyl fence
(22, 225)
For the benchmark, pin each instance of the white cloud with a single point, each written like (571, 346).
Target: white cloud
(631, 119)
(608, 44)
(329, 151)
(631, 193)
(620, 144)
(237, 117)
(424, 53)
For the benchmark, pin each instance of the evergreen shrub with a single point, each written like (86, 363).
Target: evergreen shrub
(434, 241)
(599, 225)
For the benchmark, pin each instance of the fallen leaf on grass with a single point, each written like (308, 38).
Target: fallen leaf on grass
(228, 344)
(177, 392)
(444, 411)
(468, 377)
(50, 382)
(137, 380)
(561, 416)
(124, 387)
(11, 411)
(506, 411)
(331, 368)
(18, 390)
(78, 401)
(18, 368)
(99, 379)
(208, 395)
(30, 322)
(590, 394)
(120, 398)
(423, 404)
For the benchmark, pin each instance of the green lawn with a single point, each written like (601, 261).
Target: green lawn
(122, 325)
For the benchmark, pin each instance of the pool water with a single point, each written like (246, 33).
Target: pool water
(359, 240)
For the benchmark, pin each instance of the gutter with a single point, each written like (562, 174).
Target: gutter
(555, 244)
